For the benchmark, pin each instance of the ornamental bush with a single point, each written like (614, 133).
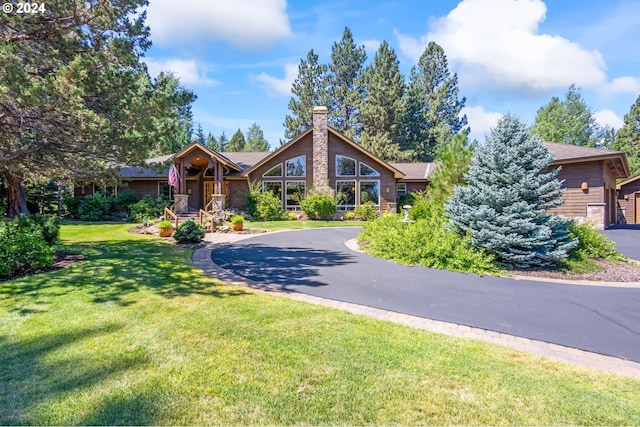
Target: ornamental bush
(366, 212)
(318, 206)
(23, 249)
(148, 208)
(96, 207)
(49, 225)
(269, 207)
(509, 191)
(189, 232)
(592, 244)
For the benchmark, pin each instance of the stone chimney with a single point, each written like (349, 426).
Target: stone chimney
(320, 148)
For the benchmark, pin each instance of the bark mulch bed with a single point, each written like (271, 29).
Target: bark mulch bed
(611, 272)
(61, 260)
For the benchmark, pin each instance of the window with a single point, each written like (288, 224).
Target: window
(370, 192)
(274, 171)
(366, 170)
(297, 166)
(345, 166)
(210, 173)
(345, 195)
(401, 189)
(295, 192)
(165, 190)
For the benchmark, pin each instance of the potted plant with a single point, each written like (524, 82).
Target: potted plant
(165, 228)
(237, 222)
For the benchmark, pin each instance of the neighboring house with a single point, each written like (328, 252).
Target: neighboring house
(629, 201)
(322, 156)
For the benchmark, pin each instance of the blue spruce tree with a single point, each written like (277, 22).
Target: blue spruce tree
(505, 203)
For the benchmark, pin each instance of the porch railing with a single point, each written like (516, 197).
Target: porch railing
(169, 213)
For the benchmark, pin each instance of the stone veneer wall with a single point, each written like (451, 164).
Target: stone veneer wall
(320, 148)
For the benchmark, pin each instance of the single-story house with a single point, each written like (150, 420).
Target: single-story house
(322, 156)
(629, 201)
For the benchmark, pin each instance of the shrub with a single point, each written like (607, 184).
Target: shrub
(23, 248)
(292, 216)
(252, 197)
(147, 208)
(367, 212)
(126, 198)
(427, 242)
(189, 232)
(317, 206)
(269, 207)
(407, 199)
(49, 225)
(96, 207)
(71, 205)
(592, 244)
(349, 215)
(237, 219)
(165, 223)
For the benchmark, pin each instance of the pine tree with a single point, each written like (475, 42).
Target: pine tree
(381, 108)
(212, 142)
(237, 142)
(505, 203)
(432, 107)
(308, 92)
(223, 142)
(570, 121)
(200, 136)
(345, 85)
(452, 163)
(255, 139)
(628, 139)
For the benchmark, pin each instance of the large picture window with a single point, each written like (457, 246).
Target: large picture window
(273, 186)
(165, 191)
(295, 192)
(345, 166)
(370, 192)
(345, 195)
(274, 171)
(297, 167)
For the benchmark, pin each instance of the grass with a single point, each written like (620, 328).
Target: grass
(136, 335)
(298, 225)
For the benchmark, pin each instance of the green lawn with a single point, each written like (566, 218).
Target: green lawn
(136, 335)
(297, 225)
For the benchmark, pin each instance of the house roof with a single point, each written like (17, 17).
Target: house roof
(568, 153)
(628, 181)
(213, 154)
(397, 173)
(419, 171)
(246, 159)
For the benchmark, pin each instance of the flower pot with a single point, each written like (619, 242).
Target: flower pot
(165, 231)
(237, 226)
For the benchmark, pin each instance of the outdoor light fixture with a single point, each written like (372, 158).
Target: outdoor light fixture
(585, 186)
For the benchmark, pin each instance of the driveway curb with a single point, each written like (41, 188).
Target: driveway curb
(203, 260)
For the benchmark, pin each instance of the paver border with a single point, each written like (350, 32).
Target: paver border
(202, 259)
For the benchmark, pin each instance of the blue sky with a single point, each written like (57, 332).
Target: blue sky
(240, 57)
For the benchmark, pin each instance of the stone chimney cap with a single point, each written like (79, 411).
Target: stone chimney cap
(320, 109)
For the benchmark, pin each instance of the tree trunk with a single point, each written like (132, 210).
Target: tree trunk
(16, 195)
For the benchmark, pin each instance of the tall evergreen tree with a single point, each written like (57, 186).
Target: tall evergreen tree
(308, 92)
(200, 136)
(345, 85)
(570, 121)
(628, 139)
(381, 108)
(212, 142)
(223, 142)
(256, 140)
(452, 163)
(432, 107)
(237, 142)
(75, 97)
(505, 203)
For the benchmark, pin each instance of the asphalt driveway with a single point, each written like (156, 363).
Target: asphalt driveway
(627, 239)
(599, 319)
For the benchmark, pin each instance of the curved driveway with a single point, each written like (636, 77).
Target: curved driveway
(599, 319)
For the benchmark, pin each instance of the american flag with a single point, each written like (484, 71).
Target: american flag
(173, 176)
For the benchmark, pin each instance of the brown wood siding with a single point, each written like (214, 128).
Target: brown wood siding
(576, 199)
(143, 188)
(238, 190)
(413, 187)
(386, 178)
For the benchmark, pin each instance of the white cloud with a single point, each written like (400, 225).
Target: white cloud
(608, 118)
(371, 45)
(186, 70)
(246, 24)
(279, 86)
(622, 85)
(481, 121)
(498, 41)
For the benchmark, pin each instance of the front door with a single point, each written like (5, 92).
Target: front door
(208, 192)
